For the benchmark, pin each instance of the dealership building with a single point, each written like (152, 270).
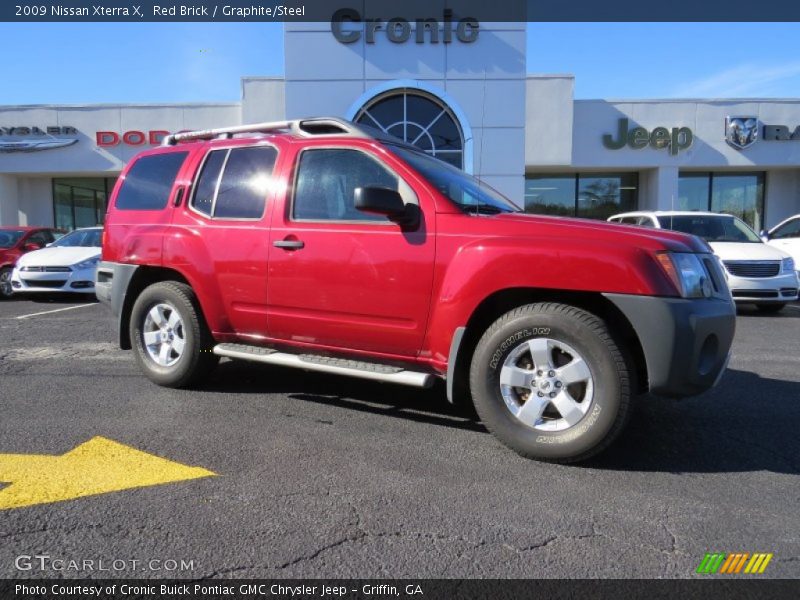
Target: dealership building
(460, 91)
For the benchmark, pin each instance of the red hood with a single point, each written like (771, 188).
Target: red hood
(566, 228)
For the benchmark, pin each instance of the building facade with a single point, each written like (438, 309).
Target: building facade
(459, 91)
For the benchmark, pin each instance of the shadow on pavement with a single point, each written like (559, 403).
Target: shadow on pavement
(747, 423)
(790, 311)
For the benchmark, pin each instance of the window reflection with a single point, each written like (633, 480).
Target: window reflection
(588, 195)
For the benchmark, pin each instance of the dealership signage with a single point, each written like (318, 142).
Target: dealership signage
(743, 132)
(130, 138)
(398, 29)
(25, 138)
(675, 139)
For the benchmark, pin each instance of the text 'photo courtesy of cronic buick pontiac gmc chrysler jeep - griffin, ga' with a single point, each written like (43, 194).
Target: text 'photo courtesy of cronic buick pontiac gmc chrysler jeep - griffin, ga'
(327, 246)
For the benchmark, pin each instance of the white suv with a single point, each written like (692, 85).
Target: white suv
(757, 273)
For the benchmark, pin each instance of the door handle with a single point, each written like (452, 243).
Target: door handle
(289, 244)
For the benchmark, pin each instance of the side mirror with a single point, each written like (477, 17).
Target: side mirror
(31, 246)
(383, 201)
(764, 235)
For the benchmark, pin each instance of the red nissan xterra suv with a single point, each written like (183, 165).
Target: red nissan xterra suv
(327, 246)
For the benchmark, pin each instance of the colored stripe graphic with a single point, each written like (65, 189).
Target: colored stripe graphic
(758, 563)
(733, 563)
(711, 562)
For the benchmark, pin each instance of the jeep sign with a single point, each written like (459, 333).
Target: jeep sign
(677, 139)
(398, 29)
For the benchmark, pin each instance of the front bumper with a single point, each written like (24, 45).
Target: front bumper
(782, 288)
(53, 279)
(686, 342)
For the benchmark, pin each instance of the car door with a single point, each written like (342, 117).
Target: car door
(787, 238)
(342, 278)
(222, 233)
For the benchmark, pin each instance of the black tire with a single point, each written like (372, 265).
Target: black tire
(609, 408)
(6, 291)
(771, 308)
(197, 359)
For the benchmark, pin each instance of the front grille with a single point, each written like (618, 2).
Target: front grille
(754, 293)
(57, 283)
(46, 269)
(753, 268)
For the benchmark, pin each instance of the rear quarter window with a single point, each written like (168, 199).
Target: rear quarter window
(148, 182)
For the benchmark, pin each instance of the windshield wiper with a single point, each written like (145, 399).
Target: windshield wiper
(486, 209)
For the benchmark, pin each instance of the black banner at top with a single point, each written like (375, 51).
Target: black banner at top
(408, 10)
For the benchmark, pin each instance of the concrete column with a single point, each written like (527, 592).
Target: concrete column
(9, 200)
(659, 189)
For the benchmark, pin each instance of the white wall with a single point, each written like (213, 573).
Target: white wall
(263, 99)
(783, 195)
(9, 204)
(548, 120)
(484, 80)
(36, 205)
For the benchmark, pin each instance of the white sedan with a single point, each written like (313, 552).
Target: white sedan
(66, 265)
(786, 236)
(756, 273)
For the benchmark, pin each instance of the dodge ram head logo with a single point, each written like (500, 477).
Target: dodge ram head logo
(741, 132)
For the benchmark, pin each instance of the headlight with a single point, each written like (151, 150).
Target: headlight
(687, 273)
(787, 265)
(87, 264)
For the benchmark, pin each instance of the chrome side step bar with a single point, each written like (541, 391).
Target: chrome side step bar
(327, 364)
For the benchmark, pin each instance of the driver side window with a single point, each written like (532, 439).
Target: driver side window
(326, 181)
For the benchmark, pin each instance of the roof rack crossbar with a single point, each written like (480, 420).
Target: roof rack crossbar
(302, 127)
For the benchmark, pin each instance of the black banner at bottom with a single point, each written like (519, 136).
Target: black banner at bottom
(423, 589)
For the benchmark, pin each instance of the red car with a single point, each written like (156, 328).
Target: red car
(327, 246)
(16, 241)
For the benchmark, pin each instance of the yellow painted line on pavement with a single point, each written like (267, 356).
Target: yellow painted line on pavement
(98, 466)
(47, 312)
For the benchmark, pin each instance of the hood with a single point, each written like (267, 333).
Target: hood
(572, 228)
(57, 256)
(746, 251)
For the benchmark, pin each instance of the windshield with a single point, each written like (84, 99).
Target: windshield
(9, 238)
(84, 238)
(467, 192)
(712, 228)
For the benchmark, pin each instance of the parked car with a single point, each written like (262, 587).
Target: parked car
(785, 236)
(66, 265)
(326, 246)
(757, 273)
(14, 242)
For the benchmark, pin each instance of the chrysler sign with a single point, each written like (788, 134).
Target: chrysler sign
(25, 138)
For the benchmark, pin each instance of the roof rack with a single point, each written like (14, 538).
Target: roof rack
(302, 127)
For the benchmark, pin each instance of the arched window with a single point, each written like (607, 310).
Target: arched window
(418, 118)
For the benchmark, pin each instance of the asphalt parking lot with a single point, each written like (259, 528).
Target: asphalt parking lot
(320, 476)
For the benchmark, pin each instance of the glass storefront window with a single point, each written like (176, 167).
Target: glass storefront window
(738, 194)
(693, 191)
(587, 195)
(600, 196)
(80, 201)
(550, 195)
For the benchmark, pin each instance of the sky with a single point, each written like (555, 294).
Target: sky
(55, 63)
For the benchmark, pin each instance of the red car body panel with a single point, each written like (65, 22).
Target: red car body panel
(9, 256)
(372, 289)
